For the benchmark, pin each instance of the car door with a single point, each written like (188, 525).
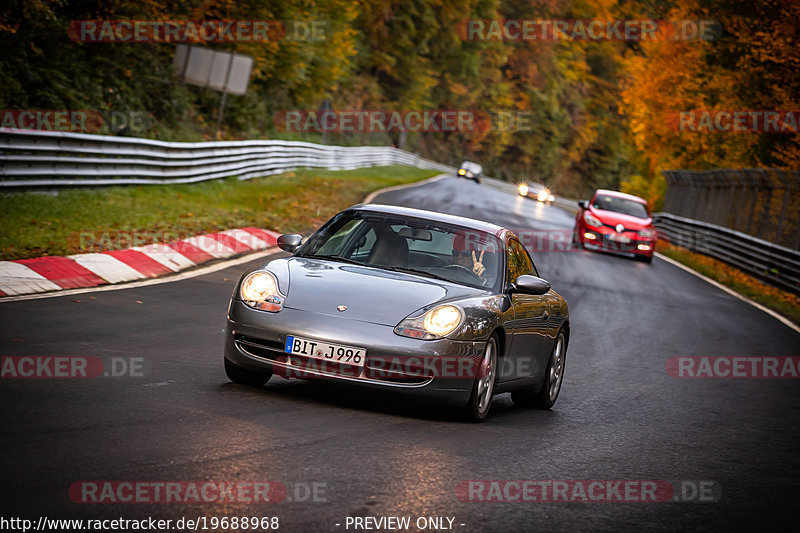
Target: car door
(528, 349)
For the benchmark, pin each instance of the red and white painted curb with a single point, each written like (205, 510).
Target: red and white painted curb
(45, 274)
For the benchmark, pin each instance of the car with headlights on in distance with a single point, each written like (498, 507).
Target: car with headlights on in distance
(470, 170)
(616, 222)
(537, 191)
(440, 307)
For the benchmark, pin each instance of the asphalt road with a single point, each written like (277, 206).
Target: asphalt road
(620, 416)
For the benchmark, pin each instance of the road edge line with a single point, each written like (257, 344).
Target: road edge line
(785, 321)
(371, 196)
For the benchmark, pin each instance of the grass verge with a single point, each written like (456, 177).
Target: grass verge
(783, 302)
(78, 220)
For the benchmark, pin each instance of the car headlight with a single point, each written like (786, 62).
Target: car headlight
(647, 233)
(435, 324)
(551, 198)
(523, 190)
(260, 290)
(543, 195)
(591, 219)
(461, 171)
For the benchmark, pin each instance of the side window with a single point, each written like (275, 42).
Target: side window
(519, 262)
(528, 260)
(336, 240)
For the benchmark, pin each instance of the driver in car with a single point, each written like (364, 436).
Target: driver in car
(467, 258)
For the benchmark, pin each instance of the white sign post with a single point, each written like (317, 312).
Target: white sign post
(224, 71)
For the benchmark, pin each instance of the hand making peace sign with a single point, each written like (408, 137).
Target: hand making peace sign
(477, 264)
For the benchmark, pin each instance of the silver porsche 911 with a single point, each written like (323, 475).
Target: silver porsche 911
(442, 307)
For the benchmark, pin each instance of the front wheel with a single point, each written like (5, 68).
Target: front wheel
(576, 241)
(480, 401)
(246, 377)
(546, 397)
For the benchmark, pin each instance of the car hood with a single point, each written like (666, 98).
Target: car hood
(370, 294)
(614, 218)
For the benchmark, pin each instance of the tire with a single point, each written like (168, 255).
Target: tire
(576, 241)
(246, 377)
(546, 397)
(647, 259)
(480, 401)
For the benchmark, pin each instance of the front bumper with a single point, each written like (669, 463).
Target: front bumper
(440, 370)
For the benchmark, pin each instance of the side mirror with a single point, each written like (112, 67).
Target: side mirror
(583, 204)
(530, 285)
(290, 242)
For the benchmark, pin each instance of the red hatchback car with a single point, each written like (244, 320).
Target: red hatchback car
(616, 222)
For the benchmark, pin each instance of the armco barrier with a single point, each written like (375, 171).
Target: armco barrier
(777, 265)
(30, 159)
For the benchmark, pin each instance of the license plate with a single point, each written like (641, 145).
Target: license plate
(325, 351)
(616, 237)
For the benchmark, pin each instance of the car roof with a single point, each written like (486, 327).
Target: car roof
(619, 194)
(433, 216)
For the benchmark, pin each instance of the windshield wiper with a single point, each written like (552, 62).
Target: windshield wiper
(337, 258)
(418, 272)
(407, 270)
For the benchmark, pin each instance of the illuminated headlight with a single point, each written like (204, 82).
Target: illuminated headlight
(590, 236)
(551, 198)
(544, 194)
(523, 190)
(591, 219)
(260, 290)
(435, 324)
(647, 234)
(644, 247)
(461, 172)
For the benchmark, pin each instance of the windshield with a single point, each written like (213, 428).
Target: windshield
(425, 248)
(620, 205)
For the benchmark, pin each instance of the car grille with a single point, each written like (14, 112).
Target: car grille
(614, 227)
(608, 244)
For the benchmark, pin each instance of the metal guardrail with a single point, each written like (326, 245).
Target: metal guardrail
(31, 159)
(777, 265)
